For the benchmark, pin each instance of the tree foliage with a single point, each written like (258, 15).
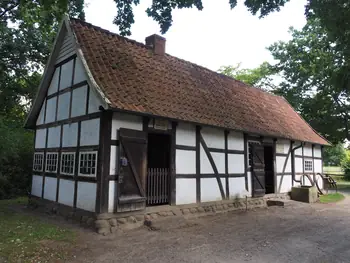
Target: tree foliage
(260, 77)
(333, 156)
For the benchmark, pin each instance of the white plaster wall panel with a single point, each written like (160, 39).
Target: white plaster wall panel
(298, 151)
(219, 160)
(185, 191)
(186, 134)
(90, 132)
(70, 135)
(51, 110)
(185, 162)
(298, 165)
(317, 151)
(235, 163)
(86, 196)
(79, 72)
(54, 82)
(249, 178)
(127, 121)
(66, 192)
(237, 187)
(282, 146)
(205, 165)
(50, 188)
(280, 161)
(54, 135)
(40, 138)
(63, 106)
(286, 185)
(79, 101)
(319, 181)
(40, 119)
(94, 101)
(66, 74)
(308, 150)
(235, 141)
(210, 190)
(112, 195)
(113, 160)
(37, 185)
(318, 166)
(214, 138)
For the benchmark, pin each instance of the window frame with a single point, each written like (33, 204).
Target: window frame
(61, 164)
(42, 161)
(308, 166)
(79, 164)
(46, 160)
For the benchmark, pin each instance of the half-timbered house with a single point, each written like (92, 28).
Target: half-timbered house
(120, 125)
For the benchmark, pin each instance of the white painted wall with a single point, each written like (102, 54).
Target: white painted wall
(280, 161)
(214, 138)
(66, 75)
(298, 164)
(79, 71)
(53, 88)
(79, 101)
(70, 135)
(298, 151)
(112, 195)
(63, 106)
(185, 162)
(235, 163)
(66, 192)
(41, 116)
(237, 187)
(50, 188)
(308, 150)
(40, 138)
(219, 160)
(37, 185)
(51, 110)
(205, 166)
(210, 190)
(249, 175)
(90, 132)
(86, 196)
(317, 151)
(127, 121)
(54, 135)
(318, 166)
(185, 191)
(286, 183)
(235, 141)
(282, 146)
(186, 134)
(94, 101)
(113, 160)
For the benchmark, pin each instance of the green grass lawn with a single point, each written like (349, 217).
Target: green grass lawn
(26, 238)
(331, 198)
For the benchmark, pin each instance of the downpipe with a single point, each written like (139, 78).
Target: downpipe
(293, 162)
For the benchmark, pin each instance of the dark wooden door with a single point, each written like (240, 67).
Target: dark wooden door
(132, 170)
(258, 170)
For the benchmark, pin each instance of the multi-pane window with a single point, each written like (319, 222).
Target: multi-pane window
(87, 163)
(67, 163)
(38, 162)
(308, 166)
(51, 162)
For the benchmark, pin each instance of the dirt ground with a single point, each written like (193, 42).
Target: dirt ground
(296, 233)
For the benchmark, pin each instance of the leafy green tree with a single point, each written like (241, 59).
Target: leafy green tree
(333, 156)
(260, 77)
(345, 164)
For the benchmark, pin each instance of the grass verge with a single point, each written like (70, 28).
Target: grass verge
(25, 238)
(331, 198)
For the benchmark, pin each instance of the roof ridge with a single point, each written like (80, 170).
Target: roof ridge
(180, 59)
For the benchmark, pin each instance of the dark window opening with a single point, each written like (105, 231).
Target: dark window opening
(269, 170)
(158, 173)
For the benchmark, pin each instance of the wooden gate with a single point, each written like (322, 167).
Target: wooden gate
(258, 170)
(157, 186)
(132, 170)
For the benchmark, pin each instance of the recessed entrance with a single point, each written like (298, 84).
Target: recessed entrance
(269, 172)
(158, 172)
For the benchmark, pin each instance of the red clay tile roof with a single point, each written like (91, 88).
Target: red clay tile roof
(133, 78)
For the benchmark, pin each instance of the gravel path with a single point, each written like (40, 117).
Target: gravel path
(297, 233)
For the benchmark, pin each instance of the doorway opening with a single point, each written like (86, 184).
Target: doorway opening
(269, 170)
(158, 172)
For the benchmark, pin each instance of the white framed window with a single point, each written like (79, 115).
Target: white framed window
(88, 163)
(308, 166)
(51, 162)
(67, 163)
(38, 162)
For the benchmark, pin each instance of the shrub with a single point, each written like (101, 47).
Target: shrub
(345, 164)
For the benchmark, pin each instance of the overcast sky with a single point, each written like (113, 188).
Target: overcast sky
(213, 37)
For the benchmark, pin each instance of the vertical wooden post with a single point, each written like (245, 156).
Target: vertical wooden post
(275, 164)
(198, 165)
(226, 165)
(246, 160)
(172, 182)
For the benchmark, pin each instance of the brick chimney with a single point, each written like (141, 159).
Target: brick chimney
(157, 43)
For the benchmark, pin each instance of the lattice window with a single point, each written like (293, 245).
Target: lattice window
(51, 162)
(308, 166)
(87, 163)
(67, 163)
(38, 162)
